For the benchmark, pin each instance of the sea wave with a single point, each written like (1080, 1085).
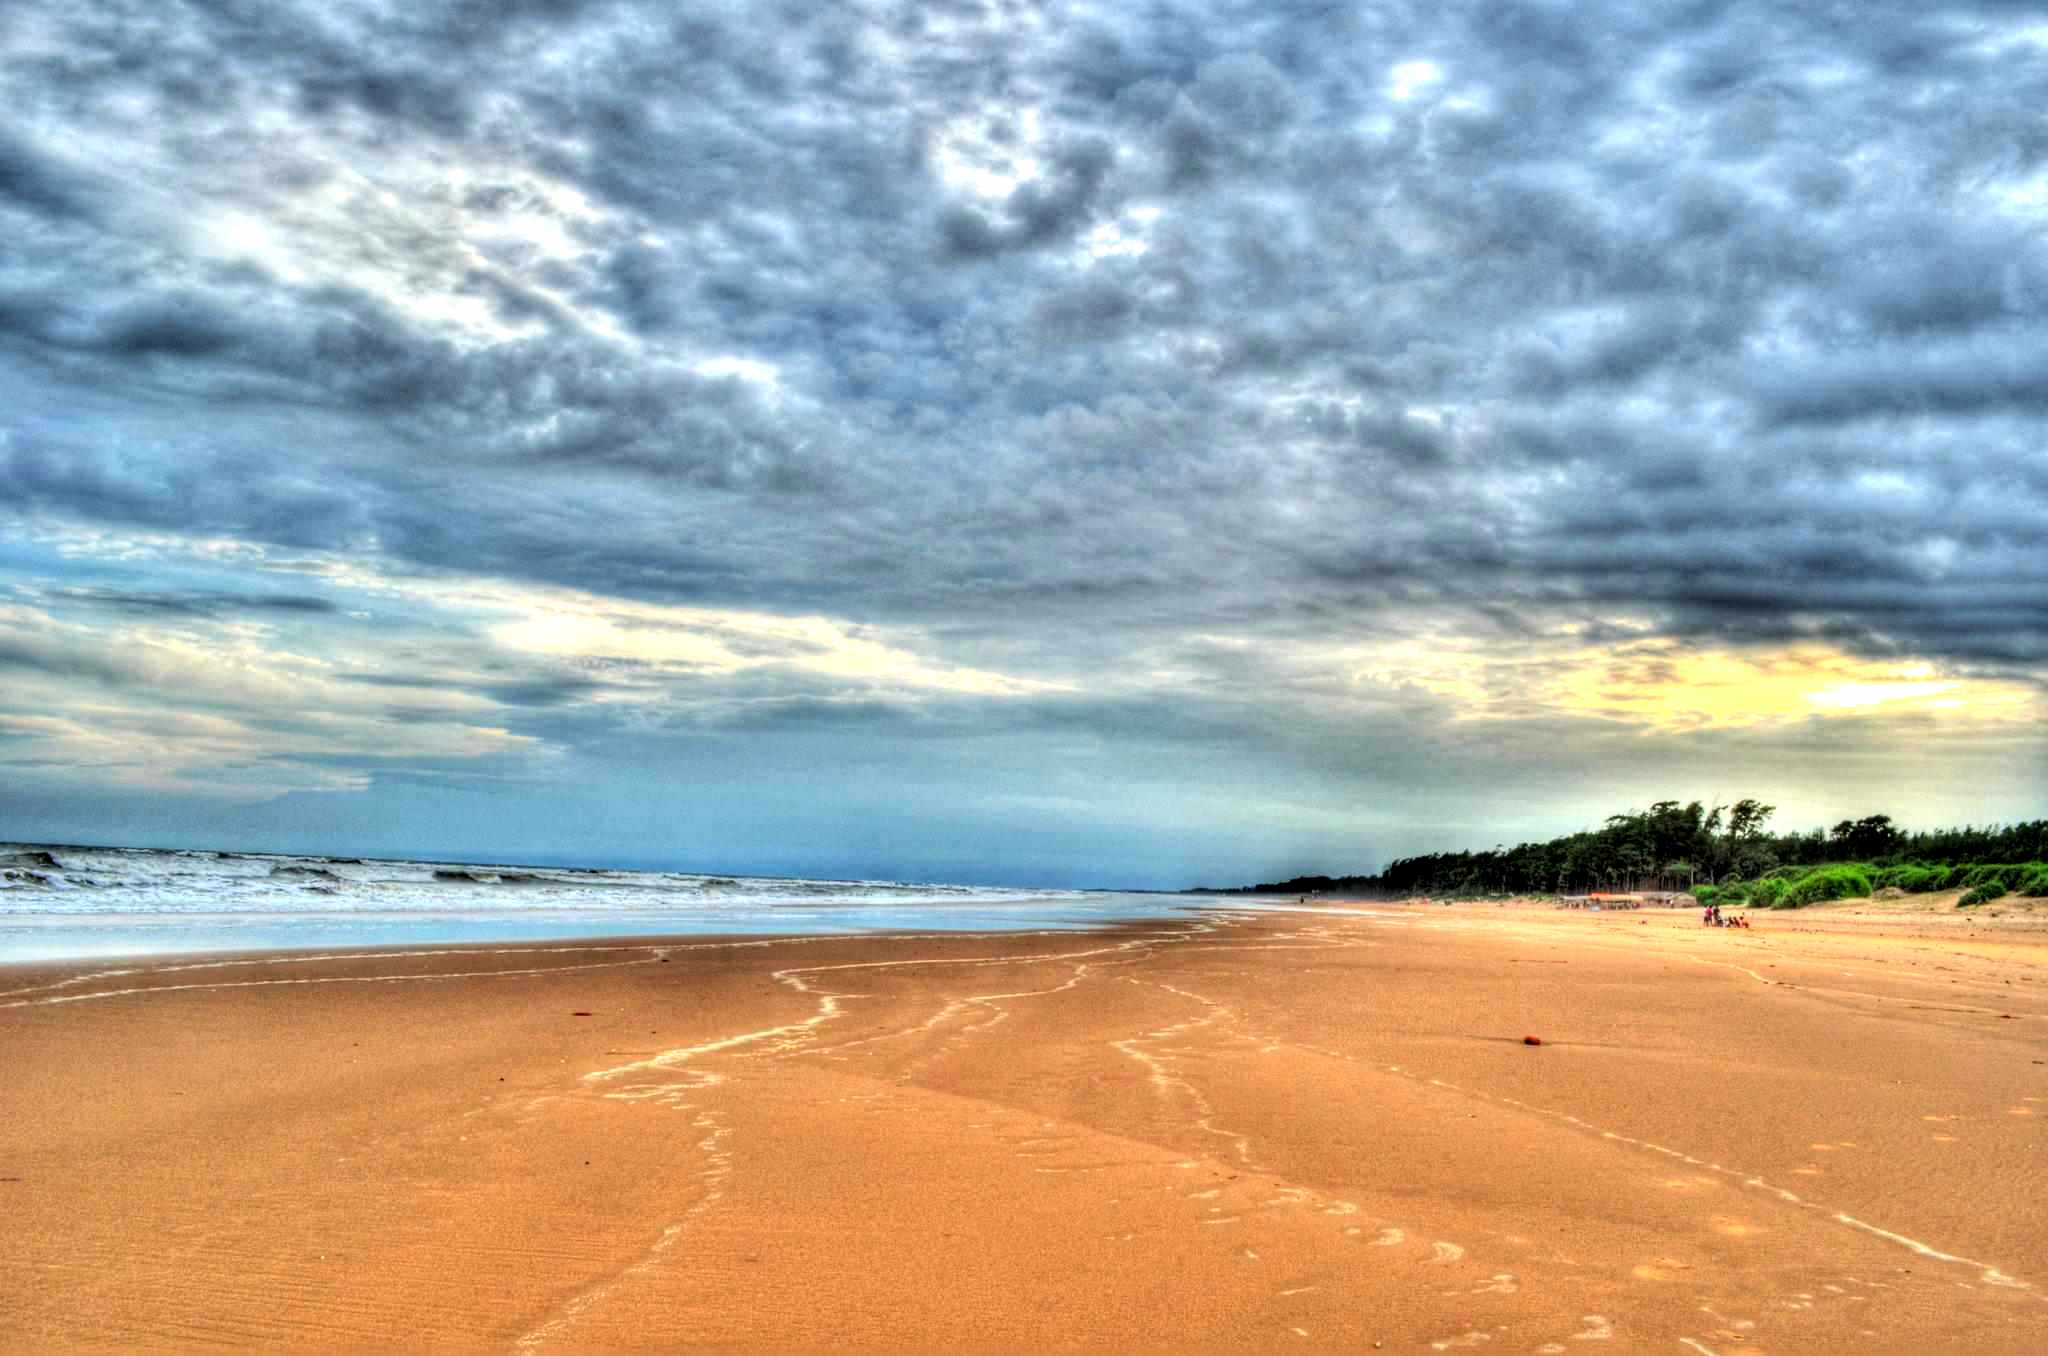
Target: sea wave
(71, 902)
(45, 878)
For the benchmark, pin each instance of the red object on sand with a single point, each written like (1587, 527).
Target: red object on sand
(1532, 1040)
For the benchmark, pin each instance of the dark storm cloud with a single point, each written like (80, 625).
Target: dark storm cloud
(1134, 321)
(1038, 213)
(59, 659)
(207, 489)
(540, 691)
(195, 604)
(1957, 381)
(43, 184)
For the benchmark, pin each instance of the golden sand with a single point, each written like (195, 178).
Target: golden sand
(1289, 1131)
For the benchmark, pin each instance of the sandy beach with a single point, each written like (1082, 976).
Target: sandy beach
(1289, 1130)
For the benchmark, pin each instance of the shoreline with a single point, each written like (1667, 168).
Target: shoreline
(1228, 1133)
(145, 960)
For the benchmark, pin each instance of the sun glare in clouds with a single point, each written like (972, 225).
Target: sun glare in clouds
(1125, 236)
(765, 375)
(598, 631)
(971, 157)
(1852, 696)
(412, 230)
(1409, 78)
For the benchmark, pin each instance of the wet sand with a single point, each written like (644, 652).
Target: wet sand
(1274, 1132)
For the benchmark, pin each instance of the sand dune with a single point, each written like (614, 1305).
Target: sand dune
(1274, 1131)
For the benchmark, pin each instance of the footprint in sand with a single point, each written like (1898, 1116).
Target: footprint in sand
(1732, 1329)
(1446, 1253)
(1943, 1139)
(1597, 1329)
(1809, 1171)
(2019, 1111)
(1687, 1186)
(1730, 1227)
(1470, 1339)
(1663, 1269)
(1503, 1283)
(1389, 1238)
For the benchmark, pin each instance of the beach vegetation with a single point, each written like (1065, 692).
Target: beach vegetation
(1915, 878)
(1675, 846)
(1767, 893)
(2007, 876)
(1849, 880)
(1981, 894)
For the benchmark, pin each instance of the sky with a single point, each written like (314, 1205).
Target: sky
(1127, 444)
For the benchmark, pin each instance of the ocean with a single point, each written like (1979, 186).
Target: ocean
(61, 902)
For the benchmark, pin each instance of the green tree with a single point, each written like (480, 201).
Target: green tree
(1746, 818)
(1867, 838)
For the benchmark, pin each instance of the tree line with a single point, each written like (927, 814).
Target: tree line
(1673, 846)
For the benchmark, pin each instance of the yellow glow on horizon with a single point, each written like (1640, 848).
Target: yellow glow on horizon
(1663, 685)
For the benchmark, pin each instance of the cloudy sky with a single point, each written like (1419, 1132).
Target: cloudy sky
(1120, 443)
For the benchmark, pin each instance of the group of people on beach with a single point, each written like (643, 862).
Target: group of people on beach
(1713, 919)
